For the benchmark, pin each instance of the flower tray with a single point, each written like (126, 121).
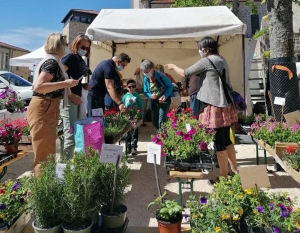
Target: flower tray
(198, 162)
(4, 157)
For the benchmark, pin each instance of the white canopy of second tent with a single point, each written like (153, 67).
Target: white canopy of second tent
(30, 59)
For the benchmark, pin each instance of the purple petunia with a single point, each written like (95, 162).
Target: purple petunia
(282, 207)
(2, 206)
(15, 187)
(203, 146)
(276, 229)
(260, 209)
(179, 133)
(192, 131)
(284, 213)
(271, 206)
(203, 200)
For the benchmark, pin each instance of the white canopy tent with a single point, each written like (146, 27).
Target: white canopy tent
(168, 35)
(30, 59)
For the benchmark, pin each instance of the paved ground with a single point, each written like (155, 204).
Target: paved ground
(143, 187)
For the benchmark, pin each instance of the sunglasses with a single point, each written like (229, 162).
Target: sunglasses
(131, 86)
(85, 48)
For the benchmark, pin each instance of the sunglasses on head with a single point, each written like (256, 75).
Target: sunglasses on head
(131, 86)
(85, 48)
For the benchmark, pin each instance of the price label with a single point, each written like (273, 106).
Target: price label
(188, 127)
(153, 150)
(97, 112)
(110, 153)
(279, 101)
(60, 169)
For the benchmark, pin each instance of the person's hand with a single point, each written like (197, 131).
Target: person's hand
(137, 71)
(86, 86)
(153, 96)
(122, 107)
(162, 99)
(75, 99)
(71, 82)
(170, 66)
(184, 93)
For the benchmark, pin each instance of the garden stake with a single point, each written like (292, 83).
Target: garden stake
(115, 184)
(156, 177)
(271, 101)
(256, 189)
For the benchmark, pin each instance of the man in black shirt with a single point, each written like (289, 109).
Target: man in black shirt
(105, 80)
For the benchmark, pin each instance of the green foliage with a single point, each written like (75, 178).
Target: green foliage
(45, 196)
(13, 199)
(195, 3)
(253, 7)
(246, 120)
(80, 190)
(11, 101)
(260, 33)
(167, 210)
(267, 54)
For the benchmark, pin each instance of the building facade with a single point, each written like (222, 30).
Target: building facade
(8, 51)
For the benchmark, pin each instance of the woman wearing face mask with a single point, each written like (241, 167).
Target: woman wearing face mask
(158, 88)
(50, 85)
(75, 67)
(217, 111)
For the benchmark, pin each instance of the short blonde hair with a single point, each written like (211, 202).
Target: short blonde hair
(55, 44)
(76, 41)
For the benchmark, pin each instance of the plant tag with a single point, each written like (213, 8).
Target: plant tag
(188, 127)
(60, 169)
(153, 150)
(279, 101)
(109, 153)
(97, 112)
(2, 117)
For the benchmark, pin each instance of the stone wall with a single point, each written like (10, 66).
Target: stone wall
(72, 29)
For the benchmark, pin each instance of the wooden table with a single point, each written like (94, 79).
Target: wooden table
(3, 167)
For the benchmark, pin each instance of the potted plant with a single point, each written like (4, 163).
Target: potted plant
(10, 135)
(134, 116)
(168, 214)
(79, 196)
(45, 199)
(184, 141)
(292, 157)
(13, 201)
(26, 138)
(113, 211)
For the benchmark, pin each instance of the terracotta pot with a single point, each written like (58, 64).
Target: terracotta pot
(11, 149)
(165, 227)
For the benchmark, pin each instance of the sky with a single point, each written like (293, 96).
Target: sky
(26, 24)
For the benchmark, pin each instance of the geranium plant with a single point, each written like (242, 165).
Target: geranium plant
(10, 133)
(13, 200)
(181, 136)
(23, 124)
(11, 101)
(292, 156)
(134, 114)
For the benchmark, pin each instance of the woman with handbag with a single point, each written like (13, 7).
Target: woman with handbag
(158, 88)
(217, 111)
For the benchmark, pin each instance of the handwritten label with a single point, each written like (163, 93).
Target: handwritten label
(153, 150)
(188, 127)
(109, 153)
(2, 117)
(279, 101)
(60, 169)
(97, 112)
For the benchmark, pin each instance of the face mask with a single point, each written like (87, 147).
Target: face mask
(119, 68)
(81, 52)
(67, 51)
(201, 53)
(148, 75)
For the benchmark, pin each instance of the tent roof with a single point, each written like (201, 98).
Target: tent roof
(164, 23)
(29, 59)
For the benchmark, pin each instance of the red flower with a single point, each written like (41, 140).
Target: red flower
(2, 191)
(291, 149)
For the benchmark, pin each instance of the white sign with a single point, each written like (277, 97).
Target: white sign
(109, 153)
(188, 127)
(153, 150)
(97, 112)
(2, 117)
(279, 101)
(60, 169)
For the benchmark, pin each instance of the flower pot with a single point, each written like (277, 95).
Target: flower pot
(56, 229)
(85, 230)
(11, 149)
(166, 227)
(115, 219)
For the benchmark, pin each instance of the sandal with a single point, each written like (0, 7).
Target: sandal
(212, 182)
(231, 173)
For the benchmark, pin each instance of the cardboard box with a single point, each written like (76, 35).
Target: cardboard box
(18, 226)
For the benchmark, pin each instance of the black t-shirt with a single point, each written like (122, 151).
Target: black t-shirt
(104, 70)
(73, 71)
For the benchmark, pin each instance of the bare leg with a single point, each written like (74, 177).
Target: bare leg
(232, 158)
(223, 162)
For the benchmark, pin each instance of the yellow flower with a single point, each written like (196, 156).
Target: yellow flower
(255, 212)
(230, 192)
(201, 215)
(24, 192)
(295, 210)
(241, 211)
(225, 216)
(194, 216)
(218, 229)
(248, 191)
(2, 216)
(241, 195)
(285, 194)
(236, 217)
(13, 193)
(298, 224)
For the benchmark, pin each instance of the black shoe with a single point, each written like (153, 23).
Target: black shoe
(212, 182)
(231, 173)
(133, 151)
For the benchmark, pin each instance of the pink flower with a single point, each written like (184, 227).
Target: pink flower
(163, 135)
(294, 128)
(203, 146)
(186, 137)
(179, 133)
(163, 154)
(192, 131)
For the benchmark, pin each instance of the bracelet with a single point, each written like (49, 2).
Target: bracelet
(120, 103)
